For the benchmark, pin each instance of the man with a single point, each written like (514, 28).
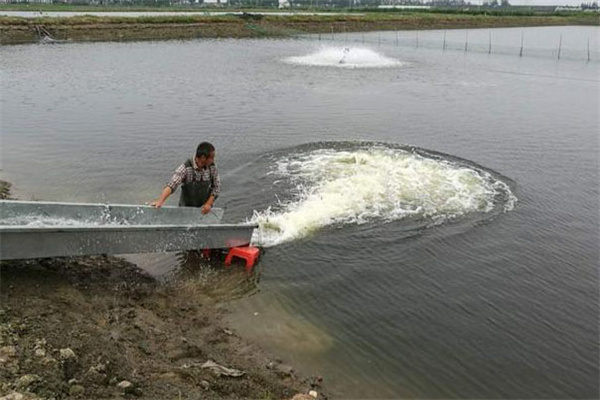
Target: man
(199, 180)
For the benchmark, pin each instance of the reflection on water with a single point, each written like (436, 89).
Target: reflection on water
(277, 325)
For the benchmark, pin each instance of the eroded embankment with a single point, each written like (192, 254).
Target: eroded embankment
(23, 30)
(98, 327)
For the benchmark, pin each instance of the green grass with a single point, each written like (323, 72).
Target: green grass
(80, 8)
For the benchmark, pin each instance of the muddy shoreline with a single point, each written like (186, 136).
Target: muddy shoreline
(99, 327)
(84, 29)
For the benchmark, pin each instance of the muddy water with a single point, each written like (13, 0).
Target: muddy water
(430, 215)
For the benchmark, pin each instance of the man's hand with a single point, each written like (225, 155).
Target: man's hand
(206, 208)
(208, 205)
(163, 197)
(157, 204)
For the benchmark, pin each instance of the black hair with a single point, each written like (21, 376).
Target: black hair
(204, 149)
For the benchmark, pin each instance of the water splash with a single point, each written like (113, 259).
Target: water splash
(41, 221)
(377, 183)
(345, 57)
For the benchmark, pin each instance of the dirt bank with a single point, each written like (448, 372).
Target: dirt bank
(98, 327)
(23, 30)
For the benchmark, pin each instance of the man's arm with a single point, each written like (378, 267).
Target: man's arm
(163, 197)
(208, 205)
(216, 189)
(176, 180)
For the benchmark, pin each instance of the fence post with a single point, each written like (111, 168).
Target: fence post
(588, 42)
(467, 41)
(559, 45)
(444, 47)
(521, 51)
(490, 44)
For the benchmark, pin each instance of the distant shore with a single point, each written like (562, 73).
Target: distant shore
(17, 30)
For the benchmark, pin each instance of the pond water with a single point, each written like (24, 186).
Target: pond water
(429, 214)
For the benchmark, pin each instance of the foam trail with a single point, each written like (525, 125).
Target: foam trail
(42, 221)
(345, 57)
(357, 186)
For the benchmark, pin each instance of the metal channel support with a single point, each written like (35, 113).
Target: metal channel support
(26, 243)
(42, 229)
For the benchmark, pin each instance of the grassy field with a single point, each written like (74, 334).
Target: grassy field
(116, 28)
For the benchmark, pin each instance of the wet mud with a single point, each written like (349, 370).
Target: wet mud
(99, 327)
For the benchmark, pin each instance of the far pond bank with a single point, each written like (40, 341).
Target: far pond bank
(16, 30)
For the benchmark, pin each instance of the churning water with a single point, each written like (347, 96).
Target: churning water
(374, 184)
(345, 57)
(432, 222)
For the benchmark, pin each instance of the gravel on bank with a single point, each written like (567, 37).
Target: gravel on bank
(98, 327)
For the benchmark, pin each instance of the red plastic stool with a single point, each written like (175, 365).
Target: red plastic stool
(248, 253)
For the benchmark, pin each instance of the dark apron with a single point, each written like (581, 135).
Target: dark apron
(195, 193)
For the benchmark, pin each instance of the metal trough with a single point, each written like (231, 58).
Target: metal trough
(42, 229)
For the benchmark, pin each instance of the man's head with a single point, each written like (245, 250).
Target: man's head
(205, 154)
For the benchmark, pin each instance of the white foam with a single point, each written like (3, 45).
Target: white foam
(345, 57)
(42, 221)
(357, 186)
